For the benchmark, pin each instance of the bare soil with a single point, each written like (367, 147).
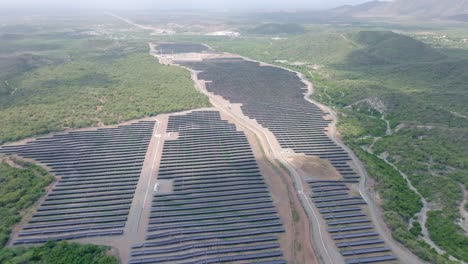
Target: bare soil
(312, 166)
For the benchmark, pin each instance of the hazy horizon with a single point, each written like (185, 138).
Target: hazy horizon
(181, 4)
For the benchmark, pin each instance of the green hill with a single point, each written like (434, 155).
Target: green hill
(277, 29)
(426, 9)
(386, 47)
(424, 92)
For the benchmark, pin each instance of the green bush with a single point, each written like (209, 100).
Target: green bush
(416, 229)
(394, 190)
(58, 253)
(448, 236)
(20, 189)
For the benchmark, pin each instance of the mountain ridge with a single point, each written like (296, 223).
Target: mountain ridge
(447, 9)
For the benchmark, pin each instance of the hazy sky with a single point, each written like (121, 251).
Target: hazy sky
(155, 4)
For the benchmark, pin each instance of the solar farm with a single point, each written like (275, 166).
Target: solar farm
(275, 99)
(220, 209)
(208, 200)
(98, 171)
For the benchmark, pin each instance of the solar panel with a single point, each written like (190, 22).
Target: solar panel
(370, 259)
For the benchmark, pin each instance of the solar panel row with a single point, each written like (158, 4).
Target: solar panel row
(275, 99)
(98, 173)
(220, 209)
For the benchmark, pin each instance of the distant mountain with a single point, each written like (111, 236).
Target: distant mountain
(408, 8)
(461, 17)
(424, 8)
(361, 8)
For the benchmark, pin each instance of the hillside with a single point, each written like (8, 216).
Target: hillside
(361, 8)
(423, 92)
(424, 8)
(408, 8)
(410, 63)
(385, 47)
(276, 29)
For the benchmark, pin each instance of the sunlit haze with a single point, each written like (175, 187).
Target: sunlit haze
(178, 4)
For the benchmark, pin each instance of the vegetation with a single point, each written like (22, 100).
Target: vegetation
(394, 190)
(316, 46)
(277, 29)
(416, 229)
(385, 47)
(20, 189)
(58, 253)
(422, 99)
(58, 81)
(447, 235)
(399, 204)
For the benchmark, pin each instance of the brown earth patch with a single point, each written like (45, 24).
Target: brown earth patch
(313, 166)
